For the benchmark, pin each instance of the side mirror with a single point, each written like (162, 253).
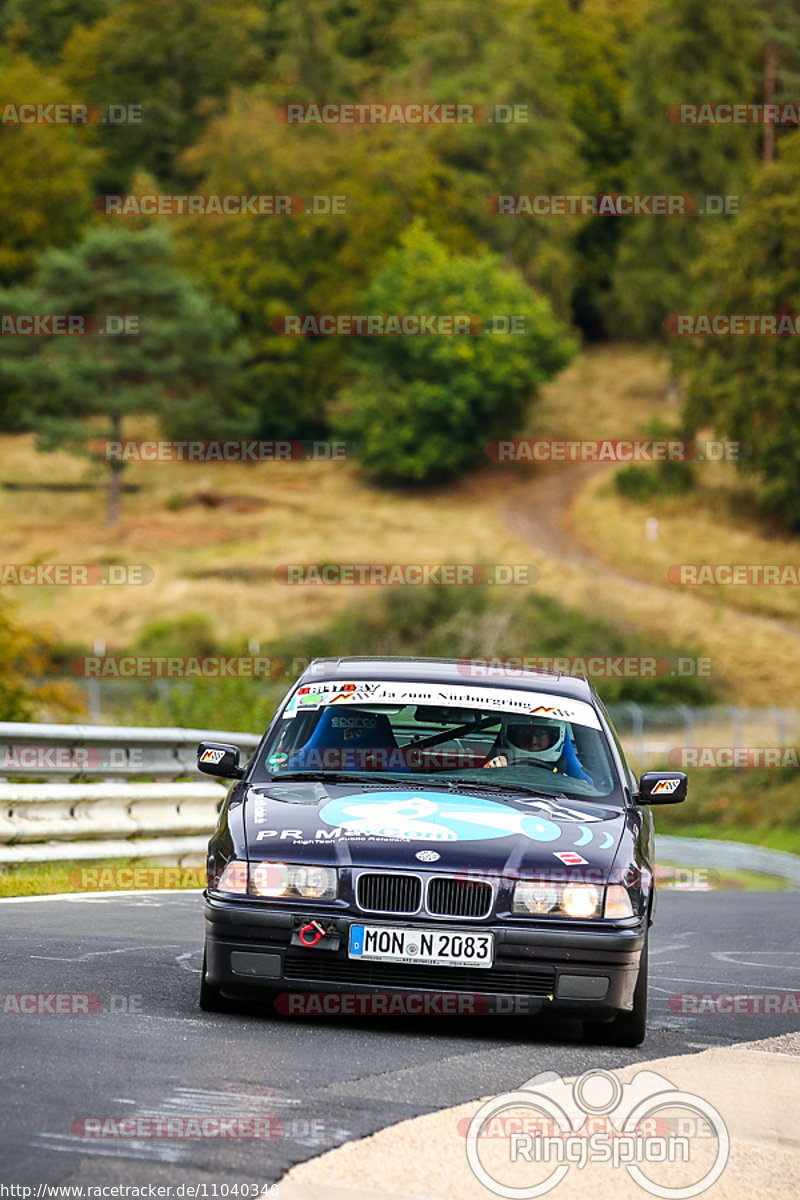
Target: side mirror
(662, 787)
(217, 758)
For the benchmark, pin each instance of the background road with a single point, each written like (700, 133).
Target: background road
(327, 1080)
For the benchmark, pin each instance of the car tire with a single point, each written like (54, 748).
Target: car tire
(211, 998)
(628, 1028)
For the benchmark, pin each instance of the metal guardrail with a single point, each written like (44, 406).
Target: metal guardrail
(728, 856)
(76, 752)
(110, 816)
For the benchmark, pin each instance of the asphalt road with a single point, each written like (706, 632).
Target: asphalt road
(150, 1050)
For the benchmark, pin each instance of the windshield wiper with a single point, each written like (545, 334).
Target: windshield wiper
(326, 776)
(493, 786)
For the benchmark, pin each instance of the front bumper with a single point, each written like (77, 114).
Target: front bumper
(591, 971)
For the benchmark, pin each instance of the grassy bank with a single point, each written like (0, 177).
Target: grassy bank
(99, 875)
(758, 807)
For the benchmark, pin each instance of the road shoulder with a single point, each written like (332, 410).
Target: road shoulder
(755, 1086)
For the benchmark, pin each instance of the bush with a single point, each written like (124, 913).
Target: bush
(662, 479)
(423, 408)
(191, 635)
(447, 622)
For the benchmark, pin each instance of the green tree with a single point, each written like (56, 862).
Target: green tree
(82, 388)
(748, 388)
(177, 60)
(391, 175)
(40, 27)
(780, 33)
(591, 44)
(265, 267)
(690, 51)
(26, 661)
(308, 65)
(45, 180)
(424, 407)
(494, 54)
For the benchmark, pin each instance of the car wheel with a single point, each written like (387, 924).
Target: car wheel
(211, 998)
(629, 1028)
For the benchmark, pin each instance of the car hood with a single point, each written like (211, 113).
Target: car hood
(346, 825)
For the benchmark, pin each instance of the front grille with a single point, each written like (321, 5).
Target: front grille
(317, 969)
(458, 898)
(389, 893)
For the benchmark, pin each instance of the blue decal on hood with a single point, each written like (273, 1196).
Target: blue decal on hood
(586, 836)
(435, 816)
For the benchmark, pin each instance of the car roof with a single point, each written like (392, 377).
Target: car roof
(464, 671)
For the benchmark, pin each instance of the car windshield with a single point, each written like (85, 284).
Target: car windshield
(494, 739)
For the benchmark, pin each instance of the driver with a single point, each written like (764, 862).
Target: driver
(539, 743)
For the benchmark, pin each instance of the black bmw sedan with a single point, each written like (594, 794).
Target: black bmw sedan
(413, 836)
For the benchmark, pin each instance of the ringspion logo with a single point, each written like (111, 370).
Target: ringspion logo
(646, 1127)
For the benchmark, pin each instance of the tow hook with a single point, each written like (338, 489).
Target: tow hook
(317, 933)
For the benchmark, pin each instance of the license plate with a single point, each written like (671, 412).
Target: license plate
(426, 947)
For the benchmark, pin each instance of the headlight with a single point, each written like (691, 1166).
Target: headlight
(279, 880)
(284, 880)
(536, 898)
(581, 900)
(556, 899)
(269, 879)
